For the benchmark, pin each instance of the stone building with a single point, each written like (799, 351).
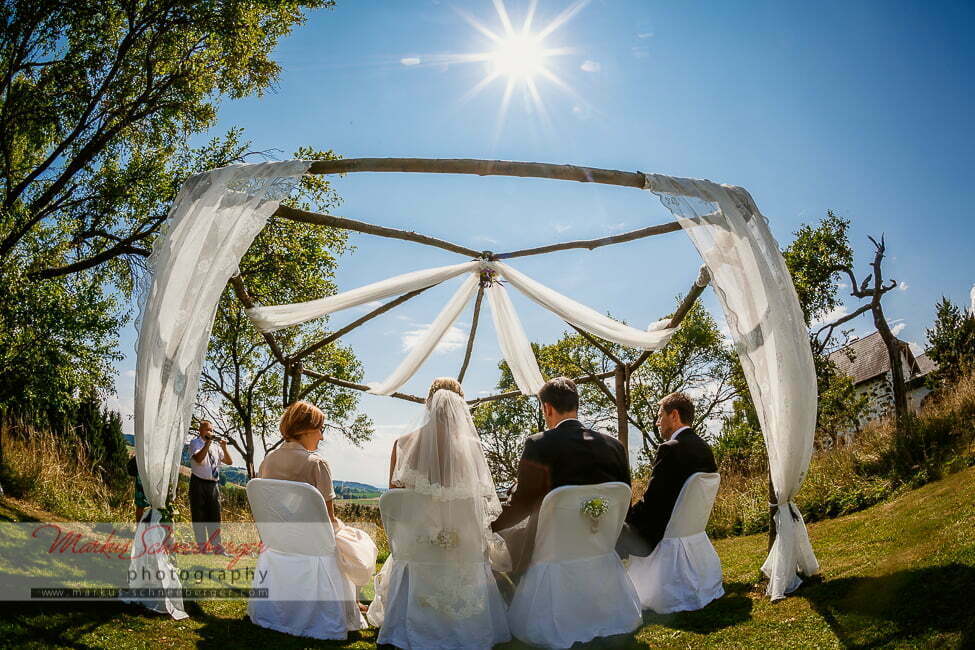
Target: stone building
(866, 362)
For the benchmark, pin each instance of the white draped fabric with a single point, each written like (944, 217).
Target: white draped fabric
(512, 339)
(214, 220)
(655, 337)
(270, 319)
(422, 349)
(514, 343)
(755, 289)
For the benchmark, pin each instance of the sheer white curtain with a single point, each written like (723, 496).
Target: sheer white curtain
(514, 343)
(269, 319)
(512, 339)
(759, 300)
(214, 220)
(422, 349)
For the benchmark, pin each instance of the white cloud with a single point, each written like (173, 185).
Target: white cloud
(915, 348)
(616, 227)
(562, 227)
(582, 112)
(902, 286)
(410, 60)
(643, 35)
(898, 328)
(640, 51)
(831, 316)
(590, 66)
(129, 373)
(451, 340)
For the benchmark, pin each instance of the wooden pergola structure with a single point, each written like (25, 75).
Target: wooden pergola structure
(293, 364)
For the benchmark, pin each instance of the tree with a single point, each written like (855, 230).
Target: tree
(873, 288)
(243, 382)
(97, 103)
(952, 344)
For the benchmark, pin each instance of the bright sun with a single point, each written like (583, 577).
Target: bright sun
(519, 57)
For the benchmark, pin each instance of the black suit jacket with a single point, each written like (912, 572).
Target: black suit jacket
(676, 460)
(569, 454)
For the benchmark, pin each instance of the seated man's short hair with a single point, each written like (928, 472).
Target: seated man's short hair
(561, 394)
(682, 404)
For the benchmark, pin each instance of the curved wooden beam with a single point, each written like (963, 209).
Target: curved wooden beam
(481, 168)
(594, 243)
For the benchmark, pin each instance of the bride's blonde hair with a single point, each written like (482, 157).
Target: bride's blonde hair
(446, 383)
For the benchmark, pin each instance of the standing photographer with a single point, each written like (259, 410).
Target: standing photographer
(204, 486)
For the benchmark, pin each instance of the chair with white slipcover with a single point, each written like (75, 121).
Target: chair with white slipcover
(439, 592)
(683, 573)
(307, 593)
(575, 588)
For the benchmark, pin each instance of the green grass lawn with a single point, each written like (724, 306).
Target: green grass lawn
(900, 574)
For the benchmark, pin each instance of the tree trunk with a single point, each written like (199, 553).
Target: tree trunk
(622, 422)
(896, 367)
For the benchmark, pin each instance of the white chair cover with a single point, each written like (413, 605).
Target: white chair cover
(576, 588)
(307, 593)
(684, 572)
(438, 589)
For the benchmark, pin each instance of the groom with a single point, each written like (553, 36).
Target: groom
(567, 453)
(683, 453)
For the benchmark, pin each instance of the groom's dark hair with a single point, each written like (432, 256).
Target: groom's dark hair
(561, 393)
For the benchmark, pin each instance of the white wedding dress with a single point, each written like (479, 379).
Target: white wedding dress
(436, 589)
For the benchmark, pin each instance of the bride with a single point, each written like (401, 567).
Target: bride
(442, 459)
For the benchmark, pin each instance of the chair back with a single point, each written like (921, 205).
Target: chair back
(291, 517)
(567, 532)
(422, 529)
(693, 507)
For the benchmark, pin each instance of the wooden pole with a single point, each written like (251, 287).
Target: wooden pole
(594, 243)
(354, 386)
(320, 219)
(241, 291)
(470, 339)
(481, 168)
(703, 279)
(356, 323)
(622, 422)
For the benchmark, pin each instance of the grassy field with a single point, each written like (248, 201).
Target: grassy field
(900, 574)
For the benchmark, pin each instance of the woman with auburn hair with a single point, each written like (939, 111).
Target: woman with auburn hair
(297, 459)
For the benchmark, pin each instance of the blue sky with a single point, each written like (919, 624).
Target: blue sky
(863, 108)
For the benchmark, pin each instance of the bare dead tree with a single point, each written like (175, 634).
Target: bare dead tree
(872, 289)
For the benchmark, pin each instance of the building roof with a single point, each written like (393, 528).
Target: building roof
(870, 359)
(925, 363)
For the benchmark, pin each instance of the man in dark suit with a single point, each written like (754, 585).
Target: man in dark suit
(683, 453)
(567, 453)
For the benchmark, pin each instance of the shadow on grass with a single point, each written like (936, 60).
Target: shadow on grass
(731, 609)
(226, 632)
(930, 605)
(46, 624)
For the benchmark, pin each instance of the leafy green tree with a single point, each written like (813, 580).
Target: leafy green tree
(243, 382)
(951, 344)
(97, 104)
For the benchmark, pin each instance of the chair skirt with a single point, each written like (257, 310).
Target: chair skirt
(307, 596)
(439, 607)
(682, 574)
(561, 603)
